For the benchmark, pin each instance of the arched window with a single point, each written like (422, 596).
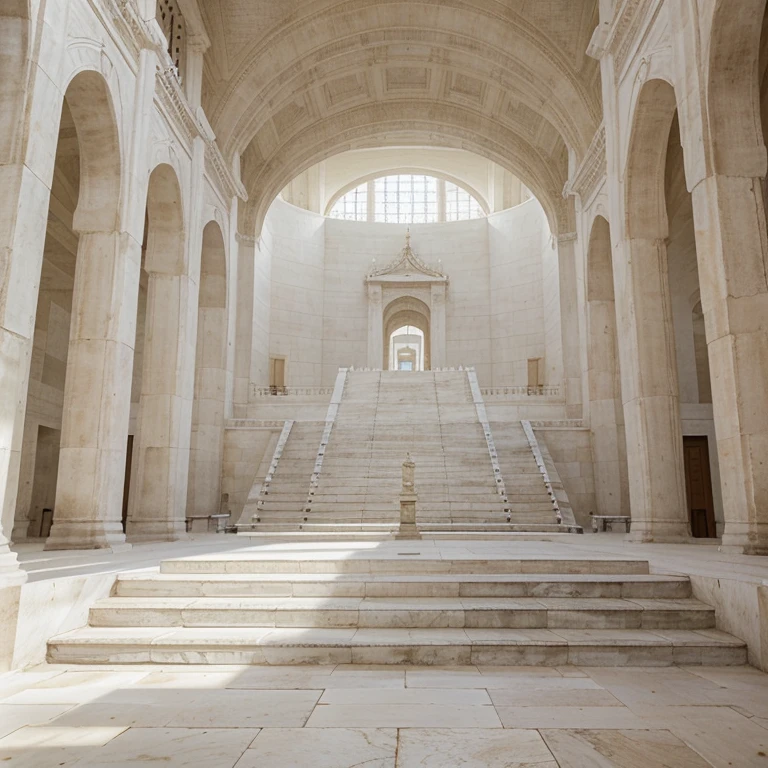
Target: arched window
(407, 198)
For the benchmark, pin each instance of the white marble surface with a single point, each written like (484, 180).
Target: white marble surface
(322, 748)
(344, 716)
(473, 748)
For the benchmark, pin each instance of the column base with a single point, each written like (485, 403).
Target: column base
(11, 575)
(85, 534)
(141, 531)
(746, 539)
(659, 532)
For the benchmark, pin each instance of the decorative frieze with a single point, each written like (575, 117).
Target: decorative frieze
(592, 171)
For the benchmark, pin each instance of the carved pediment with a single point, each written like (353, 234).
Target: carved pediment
(406, 267)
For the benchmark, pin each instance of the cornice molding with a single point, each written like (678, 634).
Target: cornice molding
(134, 31)
(624, 31)
(592, 170)
(174, 104)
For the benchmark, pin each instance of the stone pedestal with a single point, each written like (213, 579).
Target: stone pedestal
(408, 529)
(408, 498)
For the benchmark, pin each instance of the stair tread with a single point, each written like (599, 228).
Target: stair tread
(306, 637)
(405, 603)
(353, 578)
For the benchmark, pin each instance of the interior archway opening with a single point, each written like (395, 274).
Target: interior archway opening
(406, 349)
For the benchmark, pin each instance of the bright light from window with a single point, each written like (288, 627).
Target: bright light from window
(460, 205)
(407, 199)
(353, 206)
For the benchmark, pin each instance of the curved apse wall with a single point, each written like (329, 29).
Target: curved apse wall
(312, 300)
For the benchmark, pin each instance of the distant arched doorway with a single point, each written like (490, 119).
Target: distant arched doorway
(413, 315)
(406, 349)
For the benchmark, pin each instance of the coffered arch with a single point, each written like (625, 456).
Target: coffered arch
(408, 123)
(480, 52)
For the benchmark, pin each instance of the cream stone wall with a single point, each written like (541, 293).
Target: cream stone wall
(495, 298)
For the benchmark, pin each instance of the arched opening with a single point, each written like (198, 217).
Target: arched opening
(157, 495)
(677, 495)
(732, 240)
(68, 489)
(606, 416)
(413, 315)
(207, 441)
(649, 383)
(406, 349)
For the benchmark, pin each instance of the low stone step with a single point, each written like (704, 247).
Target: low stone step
(410, 613)
(449, 646)
(250, 563)
(433, 585)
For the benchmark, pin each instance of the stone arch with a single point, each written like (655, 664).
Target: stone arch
(544, 174)
(207, 440)
(649, 381)
(646, 161)
(97, 382)
(90, 102)
(407, 310)
(733, 88)
(165, 222)
(159, 470)
(14, 66)
(491, 43)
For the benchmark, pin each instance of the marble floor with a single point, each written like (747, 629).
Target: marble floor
(384, 717)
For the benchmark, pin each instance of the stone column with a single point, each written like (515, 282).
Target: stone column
(375, 327)
(244, 320)
(97, 394)
(438, 355)
(569, 325)
(650, 393)
(158, 508)
(602, 377)
(732, 248)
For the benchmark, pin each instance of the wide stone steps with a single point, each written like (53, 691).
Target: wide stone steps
(250, 608)
(644, 586)
(414, 613)
(444, 647)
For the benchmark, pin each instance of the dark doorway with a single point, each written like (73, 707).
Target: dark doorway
(127, 483)
(698, 485)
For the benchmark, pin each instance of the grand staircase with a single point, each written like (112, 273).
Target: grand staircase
(400, 607)
(381, 417)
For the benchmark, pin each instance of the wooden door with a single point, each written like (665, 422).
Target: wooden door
(698, 485)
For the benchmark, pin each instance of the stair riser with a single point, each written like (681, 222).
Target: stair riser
(408, 566)
(421, 655)
(151, 588)
(404, 619)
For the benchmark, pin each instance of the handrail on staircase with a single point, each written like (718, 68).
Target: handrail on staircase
(330, 418)
(536, 450)
(482, 417)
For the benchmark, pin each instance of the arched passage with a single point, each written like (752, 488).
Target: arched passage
(402, 312)
(89, 253)
(157, 504)
(207, 442)
(647, 354)
(732, 242)
(606, 417)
